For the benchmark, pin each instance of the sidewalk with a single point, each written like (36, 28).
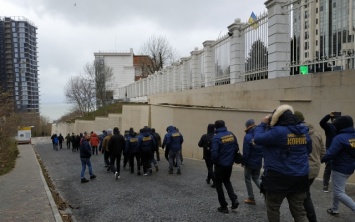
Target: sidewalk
(24, 193)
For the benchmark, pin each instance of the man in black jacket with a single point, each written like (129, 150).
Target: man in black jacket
(330, 133)
(206, 143)
(116, 145)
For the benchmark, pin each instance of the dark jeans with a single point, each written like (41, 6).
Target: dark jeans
(107, 158)
(146, 160)
(131, 161)
(68, 144)
(125, 159)
(308, 205)
(115, 158)
(209, 165)
(60, 144)
(158, 154)
(222, 176)
(327, 172)
(94, 150)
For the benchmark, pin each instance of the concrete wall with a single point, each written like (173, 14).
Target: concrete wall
(314, 95)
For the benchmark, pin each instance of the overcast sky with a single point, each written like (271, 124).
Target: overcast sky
(70, 31)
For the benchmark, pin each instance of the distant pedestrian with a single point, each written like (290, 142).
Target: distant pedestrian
(60, 140)
(286, 146)
(174, 140)
(85, 154)
(73, 142)
(252, 158)
(94, 142)
(318, 152)
(224, 147)
(55, 142)
(106, 151)
(133, 151)
(125, 154)
(342, 154)
(158, 142)
(67, 140)
(146, 145)
(330, 133)
(206, 143)
(116, 144)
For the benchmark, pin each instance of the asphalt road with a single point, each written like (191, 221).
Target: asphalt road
(160, 196)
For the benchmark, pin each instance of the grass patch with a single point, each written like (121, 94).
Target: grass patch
(8, 155)
(104, 111)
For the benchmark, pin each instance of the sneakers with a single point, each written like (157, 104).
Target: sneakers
(325, 189)
(250, 201)
(117, 175)
(235, 204)
(179, 171)
(84, 180)
(92, 177)
(150, 171)
(139, 173)
(332, 212)
(170, 171)
(223, 210)
(145, 174)
(156, 168)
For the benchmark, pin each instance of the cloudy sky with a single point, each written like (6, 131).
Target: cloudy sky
(70, 31)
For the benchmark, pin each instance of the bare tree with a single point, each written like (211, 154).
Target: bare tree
(160, 52)
(80, 92)
(102, 76)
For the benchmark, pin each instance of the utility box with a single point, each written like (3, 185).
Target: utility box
(23, 134)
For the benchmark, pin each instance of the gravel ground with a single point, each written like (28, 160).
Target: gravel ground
(160, 196)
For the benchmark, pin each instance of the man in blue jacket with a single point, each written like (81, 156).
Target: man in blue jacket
(133, 151)
(174, 140)
(342, 154)
(224, 147)
(252, 156)
(146, 145)
(286, 145)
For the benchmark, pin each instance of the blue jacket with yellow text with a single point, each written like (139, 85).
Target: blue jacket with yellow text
(224, 146)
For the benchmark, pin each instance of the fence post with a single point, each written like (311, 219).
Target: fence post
(196, 76)
(209, 63)
(278, 39)
(237, 53)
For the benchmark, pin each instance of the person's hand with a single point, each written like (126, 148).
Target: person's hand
(266, 119)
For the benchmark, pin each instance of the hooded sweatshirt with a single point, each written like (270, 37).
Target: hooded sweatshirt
(206, 142)
(174, 139)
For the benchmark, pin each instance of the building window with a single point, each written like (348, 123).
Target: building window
(334, 4)
(316, 42)
(306, 54)
(316, 10)
(316, 21)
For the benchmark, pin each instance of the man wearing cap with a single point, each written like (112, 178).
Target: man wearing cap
(318, 151)
(342, 154)
(224, 147)
(286, 145)
(252, 156)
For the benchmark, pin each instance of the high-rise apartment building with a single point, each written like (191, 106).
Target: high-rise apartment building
(323, 34)
(18, 62)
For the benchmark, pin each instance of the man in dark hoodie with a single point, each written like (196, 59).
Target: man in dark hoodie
(330, 133)
(174, 140)
(224, 147)
(342, 154)
(252, 157)
(116, 144)
(206, 143)
(146, 145)
(286, 146)
(133, 151)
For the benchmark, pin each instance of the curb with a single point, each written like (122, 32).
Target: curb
(54, 207)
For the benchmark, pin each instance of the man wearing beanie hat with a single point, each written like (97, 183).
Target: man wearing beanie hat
(252, 156)
(342, 154)
(286, 145)
(224, 147)
(318, 151)
(330, 133)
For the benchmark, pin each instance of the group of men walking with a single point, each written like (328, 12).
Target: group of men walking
(291, 152)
